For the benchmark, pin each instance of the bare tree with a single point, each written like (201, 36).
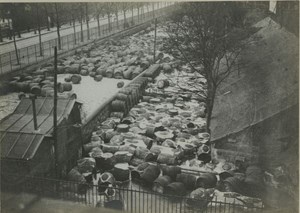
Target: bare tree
(125, 7)
(208, 36)
(57, 25)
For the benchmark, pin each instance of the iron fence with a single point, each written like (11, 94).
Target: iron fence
(128, 197)
(33, 53)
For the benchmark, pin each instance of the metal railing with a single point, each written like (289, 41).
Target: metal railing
(32, 54)
(129, 197)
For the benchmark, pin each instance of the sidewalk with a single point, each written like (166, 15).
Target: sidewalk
(30, 38)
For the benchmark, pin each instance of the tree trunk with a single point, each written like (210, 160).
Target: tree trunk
(57, 27)
(138, 14)
(211, 91)
(132, 15)
(109, 24)
(124, 12)
(117, 18)
(47, 17)
(87, 21)
(98, 24)
(153, 12)
(74, 29)
(39, 30)
(81, 30)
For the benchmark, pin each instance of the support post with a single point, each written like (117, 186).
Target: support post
(55, 113)
(154, 53)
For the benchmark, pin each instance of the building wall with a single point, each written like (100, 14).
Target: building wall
(263, 143)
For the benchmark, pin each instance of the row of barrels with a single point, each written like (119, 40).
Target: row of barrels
(129, 96)
(38, 86)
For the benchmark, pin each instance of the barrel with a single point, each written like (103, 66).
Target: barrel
(76, 79)
(105, 161)
(234, 184)
(64, 87)
(160, 183)
(109, 73)
(98, 78)
(165, 158)
(100, 71)
(68, 79)
(128, 92)
(150, 173)
(171, 171)
(117, 114)
(119, 106)
(47, 91)
(163, 83)
(121, 172)
(207, 180)
(35, 90)
(21, 95)
(118, 74)
(120, 84)
(22, 86)
(188, 180)
(175, 188)
(84, 72)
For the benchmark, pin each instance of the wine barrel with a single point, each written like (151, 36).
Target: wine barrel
(175, 188)
(121, 171)
(123, 156)
(128, 73)
(109, 73)
(21, 95)
(160, 183)
(117, 114)
(84, 72)
(150, 173)
(119, 106)
(207, 180)
(171, 171)
(167, 159)
(144, 154)
(106, 161)
(100, 71)
(108, 148)
(98, 77)
(122, 128)
(188, 180)
(68, 79)
(120, 84)
(118, 73)
(105, 180)
(152, 71)
(47, 91)
(64, 87)
(76, 79)
(22, 86)
(163, 83)
(35, 90)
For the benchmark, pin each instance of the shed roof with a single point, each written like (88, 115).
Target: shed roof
(267, 84)
(18, 139)
(21, 120)
(19, 145)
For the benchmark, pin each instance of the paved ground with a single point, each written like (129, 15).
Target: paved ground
(29, 51)
(31, 38)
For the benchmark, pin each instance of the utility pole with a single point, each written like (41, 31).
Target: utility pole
(155, 41)
(55, 114)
